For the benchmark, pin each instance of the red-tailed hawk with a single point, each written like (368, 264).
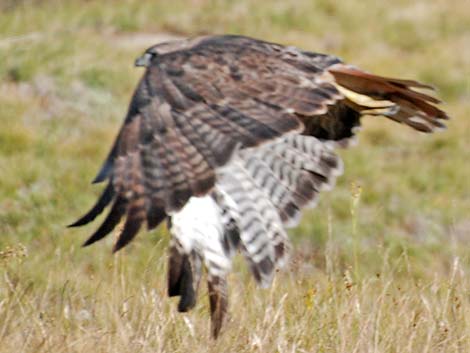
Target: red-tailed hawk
(228, 138)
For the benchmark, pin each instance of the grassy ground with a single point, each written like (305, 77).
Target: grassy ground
(382, 265)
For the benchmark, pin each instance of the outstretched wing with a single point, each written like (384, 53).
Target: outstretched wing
(192, 109)
(202, 99)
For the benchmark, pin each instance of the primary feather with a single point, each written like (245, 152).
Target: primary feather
(230, 137)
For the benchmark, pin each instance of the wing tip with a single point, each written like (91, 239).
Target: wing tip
(88, 242)
(78, 223)
(102, 202)
(104, 172)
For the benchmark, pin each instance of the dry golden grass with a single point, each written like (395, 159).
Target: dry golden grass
(118, 308)
(385, 269)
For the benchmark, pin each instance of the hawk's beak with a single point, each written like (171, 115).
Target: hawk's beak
(144, 60)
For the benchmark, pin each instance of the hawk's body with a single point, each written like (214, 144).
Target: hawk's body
(230, 137)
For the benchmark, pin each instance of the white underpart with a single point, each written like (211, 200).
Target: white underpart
(199, 227)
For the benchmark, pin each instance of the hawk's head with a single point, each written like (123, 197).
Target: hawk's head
(161, 49)
(144, 60)
(166, 48)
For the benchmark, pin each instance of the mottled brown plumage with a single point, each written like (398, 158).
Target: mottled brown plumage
(204, 100)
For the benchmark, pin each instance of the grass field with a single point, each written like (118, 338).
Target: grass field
(381, 265)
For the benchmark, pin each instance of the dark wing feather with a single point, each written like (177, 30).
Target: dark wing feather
(103, 201)
(135, 217)
(111, 221)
